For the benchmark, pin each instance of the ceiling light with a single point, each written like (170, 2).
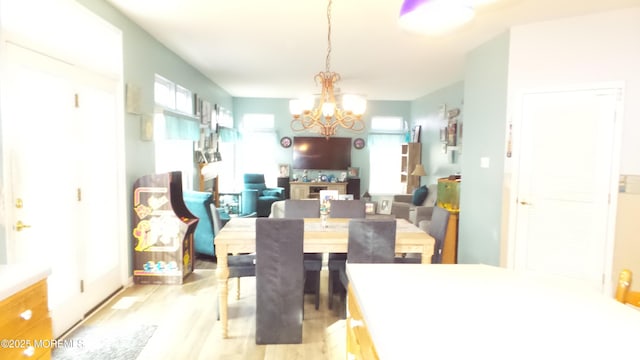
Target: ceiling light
(434, 16)
(328, 113)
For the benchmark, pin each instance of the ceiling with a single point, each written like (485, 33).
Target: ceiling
(272, 49)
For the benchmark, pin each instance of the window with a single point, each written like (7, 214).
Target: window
(164, 93)
(171, 96)
(173, 133)
(256, 153)
(384, 150)
(184, 100)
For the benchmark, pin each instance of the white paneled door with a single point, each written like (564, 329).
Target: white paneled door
(565, 177)
(59, 129)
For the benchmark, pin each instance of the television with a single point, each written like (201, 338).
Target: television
(320, 153)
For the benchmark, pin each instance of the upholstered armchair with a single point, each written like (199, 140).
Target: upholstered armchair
(264, 196)
(199, 204)
(417, 206)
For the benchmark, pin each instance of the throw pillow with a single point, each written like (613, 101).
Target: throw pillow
(275, 193)
(419, 195)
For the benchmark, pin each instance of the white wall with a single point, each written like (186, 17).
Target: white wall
(603, 47)
(572, 52)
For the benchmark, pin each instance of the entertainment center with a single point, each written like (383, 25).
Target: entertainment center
(324, 155)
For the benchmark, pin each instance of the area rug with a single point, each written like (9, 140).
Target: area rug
(100, 342)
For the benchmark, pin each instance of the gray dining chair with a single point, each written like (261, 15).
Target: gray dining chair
(279, 280)
(242, 265)
(300, 209)
(370, 241)
(437, 228)
(351, 209)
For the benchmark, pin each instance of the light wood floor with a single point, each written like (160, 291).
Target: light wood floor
(187, 327)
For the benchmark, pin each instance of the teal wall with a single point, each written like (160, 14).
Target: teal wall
(280, 108)
(143, 57)
(485, 114)
(425, 111)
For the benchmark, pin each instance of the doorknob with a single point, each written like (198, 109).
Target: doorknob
(525, 203)
(20, 225)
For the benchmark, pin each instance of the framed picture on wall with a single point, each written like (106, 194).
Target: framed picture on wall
(443, 135)
(284, 170)
(205, 116)
(415, 134)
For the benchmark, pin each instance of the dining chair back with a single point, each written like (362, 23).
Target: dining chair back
(300, 209)
(438, 230)
(351, 209)
(279, 280)
(243, 265)
(370, 241)
(624, 294)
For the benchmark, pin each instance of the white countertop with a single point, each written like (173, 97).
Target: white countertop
(415, 311)
(14, 278)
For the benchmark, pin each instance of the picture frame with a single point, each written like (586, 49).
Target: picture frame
(415, 134)
(197, 106)
(443, 135)
(284, 170)
(353, 172)
(326, 196)
(384, 205)
(146, 127)
(370, 208)
(205, 117)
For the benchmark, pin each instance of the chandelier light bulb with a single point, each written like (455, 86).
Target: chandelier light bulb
(328, 109)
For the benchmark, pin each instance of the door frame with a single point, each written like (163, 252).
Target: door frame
(512, 169)
(55, 42)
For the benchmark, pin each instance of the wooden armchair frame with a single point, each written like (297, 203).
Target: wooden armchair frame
(624, 294)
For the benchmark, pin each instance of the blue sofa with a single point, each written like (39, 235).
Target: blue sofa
(199, 204)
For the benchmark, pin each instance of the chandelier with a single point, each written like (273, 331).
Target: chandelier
(327, 114)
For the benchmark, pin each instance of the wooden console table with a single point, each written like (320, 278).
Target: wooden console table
(311, 190)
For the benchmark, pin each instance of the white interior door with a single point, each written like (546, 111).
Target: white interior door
(97, 156)
(564, 183)
(59, 123)
(39, 118)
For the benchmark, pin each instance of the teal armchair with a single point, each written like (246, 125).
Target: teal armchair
(264, 196)
(199, 204)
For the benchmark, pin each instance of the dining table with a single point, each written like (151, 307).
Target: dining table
(239, 236)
